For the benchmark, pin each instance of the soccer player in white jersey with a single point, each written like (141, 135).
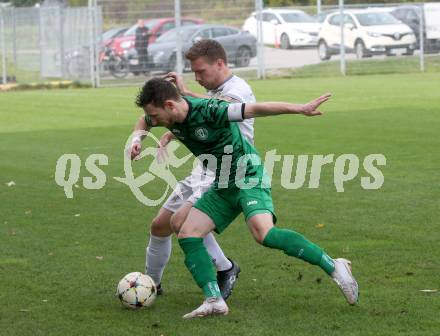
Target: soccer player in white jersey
(209, 64)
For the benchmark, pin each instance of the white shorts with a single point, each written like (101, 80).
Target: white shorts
(190, 189)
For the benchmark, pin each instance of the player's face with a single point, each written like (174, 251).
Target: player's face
(159, 116)
(206, 74)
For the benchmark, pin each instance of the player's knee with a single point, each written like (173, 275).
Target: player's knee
(260, 229)
(187, 230)
(176, 222)
(160, 227)
(258, 236)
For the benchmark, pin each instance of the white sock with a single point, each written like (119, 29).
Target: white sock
(221, 262)
(158, 254)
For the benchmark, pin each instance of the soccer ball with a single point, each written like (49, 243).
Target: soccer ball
(136, 290)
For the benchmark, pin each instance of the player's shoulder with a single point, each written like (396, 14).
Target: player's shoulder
(195, 102)
(197, 107)
(238, 89)
(205, 108)
(236, 83)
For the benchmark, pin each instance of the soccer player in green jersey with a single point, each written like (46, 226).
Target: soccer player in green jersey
(208, 128)
(209, 63)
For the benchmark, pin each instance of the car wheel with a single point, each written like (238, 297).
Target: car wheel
(119, 67)
(285, 42)
(323, 52)
(243, 57)
(359, 49)
(409, 52)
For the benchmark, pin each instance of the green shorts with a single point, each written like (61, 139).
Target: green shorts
(224, 205)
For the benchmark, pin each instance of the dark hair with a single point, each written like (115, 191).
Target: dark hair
(156, 91)
(210, 49)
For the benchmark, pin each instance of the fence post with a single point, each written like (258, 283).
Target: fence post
(261, 73)
(421, 39)
(41, 39)
(14, 36)
(62, 51)
(318, 7)
(342, 46)
(98, 44)
(91, 43)
(3, 46)
(177, 16)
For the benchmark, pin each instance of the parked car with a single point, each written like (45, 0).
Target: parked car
(156, 27)
(366, 32)
(411, 15)
(289, 28)
(108, 36)
(240, 46)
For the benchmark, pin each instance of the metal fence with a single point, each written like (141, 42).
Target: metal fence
(46, 43)
(96, 44)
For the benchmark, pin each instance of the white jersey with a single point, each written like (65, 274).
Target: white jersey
(237, 90)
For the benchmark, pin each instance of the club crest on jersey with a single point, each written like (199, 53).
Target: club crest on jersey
(177, 133)
(201, 133)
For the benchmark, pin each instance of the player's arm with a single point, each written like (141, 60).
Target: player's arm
(254, 110)
(174, 78)
(136, 142)
(165, 139)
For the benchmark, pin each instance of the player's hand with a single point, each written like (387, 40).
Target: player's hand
(135, 150)
(174, 78)
(311, 108)
(162, 154)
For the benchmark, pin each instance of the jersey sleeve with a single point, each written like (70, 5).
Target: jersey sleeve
(219, 112)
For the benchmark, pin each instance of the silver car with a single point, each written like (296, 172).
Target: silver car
(240, 46)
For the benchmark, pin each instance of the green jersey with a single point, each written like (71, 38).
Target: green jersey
(210, 131)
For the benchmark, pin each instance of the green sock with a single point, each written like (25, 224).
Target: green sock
(295, 245)
(211, 289)
(200, 264)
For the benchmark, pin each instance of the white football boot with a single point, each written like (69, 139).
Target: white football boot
(345, 280)
(211, 306)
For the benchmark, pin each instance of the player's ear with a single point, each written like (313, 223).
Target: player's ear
(169, 104)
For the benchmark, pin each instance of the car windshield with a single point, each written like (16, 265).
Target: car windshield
(171, 35)
(297, 17)
(376, 19)
(112, 33)
(149, 24)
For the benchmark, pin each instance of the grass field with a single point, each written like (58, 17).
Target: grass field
(52, 282)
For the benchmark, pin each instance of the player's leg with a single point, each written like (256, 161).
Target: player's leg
(197, 225)
(158, 250)
(289, 241)
(227, 269)
(258, 210)
(199, 263)
(221, 262)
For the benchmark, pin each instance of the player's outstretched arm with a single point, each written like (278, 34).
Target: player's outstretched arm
(274, 108)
